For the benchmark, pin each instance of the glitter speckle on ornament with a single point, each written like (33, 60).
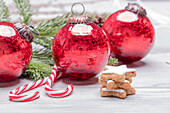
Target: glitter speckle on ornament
(131, 33)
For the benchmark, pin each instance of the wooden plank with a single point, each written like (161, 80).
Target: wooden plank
(87, 99)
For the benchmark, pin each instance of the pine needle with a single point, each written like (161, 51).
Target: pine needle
(48, 30)
(43, 54)
(113, 62)
(24, 9)
(37, 70)
(4, 12)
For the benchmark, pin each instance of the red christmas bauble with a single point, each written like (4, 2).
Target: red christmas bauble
(81, 49)
(131, 33)
(15, 52)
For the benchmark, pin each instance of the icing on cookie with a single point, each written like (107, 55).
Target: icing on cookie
(120, 70)
(126, 81)
(116, 90)
(109, 81)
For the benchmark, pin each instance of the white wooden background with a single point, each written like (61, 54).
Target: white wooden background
(152, 83)
(47, 9)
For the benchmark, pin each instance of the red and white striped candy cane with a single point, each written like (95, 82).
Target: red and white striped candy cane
(14, 95)
(57, 93)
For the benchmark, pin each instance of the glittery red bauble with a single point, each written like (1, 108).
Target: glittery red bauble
(131, 35)
(81, 50)
(15, 52)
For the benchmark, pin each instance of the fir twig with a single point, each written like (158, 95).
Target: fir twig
(42, 43)
(4, 12)
(24, 9)
(37, 70)
(48, 30)
(42, 53)
(113, 62)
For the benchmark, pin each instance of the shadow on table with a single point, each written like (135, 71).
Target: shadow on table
(135, 64)
(10, 83)
(93, 80)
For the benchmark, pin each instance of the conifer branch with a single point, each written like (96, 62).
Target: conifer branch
(48, 30)
(24, 9)
(37, 70)
(4, 12)
(113, 62)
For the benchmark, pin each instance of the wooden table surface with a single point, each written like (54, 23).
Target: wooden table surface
(152, 86)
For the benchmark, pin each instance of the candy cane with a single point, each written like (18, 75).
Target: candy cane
(57, 93)
(14, 95)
